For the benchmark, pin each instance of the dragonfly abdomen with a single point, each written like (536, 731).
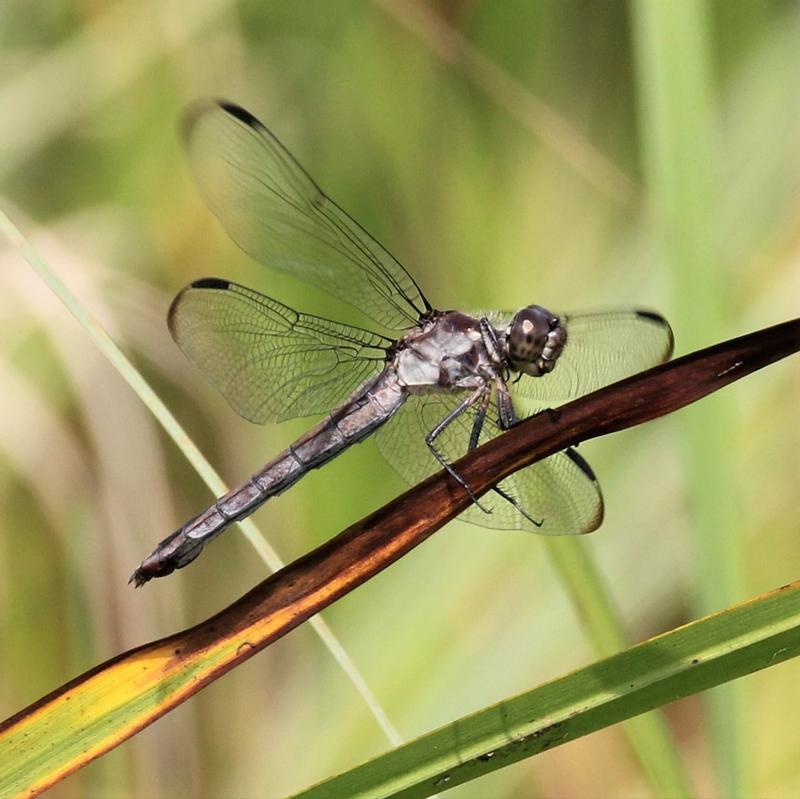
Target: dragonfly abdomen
(379, 399)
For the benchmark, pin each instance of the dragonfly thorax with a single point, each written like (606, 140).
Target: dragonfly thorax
(448, 352)
(534, 339)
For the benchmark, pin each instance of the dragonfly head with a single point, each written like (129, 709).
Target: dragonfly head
(535, 338)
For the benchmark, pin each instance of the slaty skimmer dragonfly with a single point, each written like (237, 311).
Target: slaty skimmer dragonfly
(431, 384)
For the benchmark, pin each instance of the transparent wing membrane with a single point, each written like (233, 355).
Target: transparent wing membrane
(274, 211)
(560, 492)
(271, 363)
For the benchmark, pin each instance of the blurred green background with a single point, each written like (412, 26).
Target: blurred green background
(574, 154)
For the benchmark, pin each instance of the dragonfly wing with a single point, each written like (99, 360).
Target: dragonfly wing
(561, 491)
(601, 348)
(271, 363)
(273, 210)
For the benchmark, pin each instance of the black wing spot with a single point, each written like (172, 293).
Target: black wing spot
(580, 463)
(652, 316)
(211, 283)
(658, 319)
(240, 113)
(203, 283)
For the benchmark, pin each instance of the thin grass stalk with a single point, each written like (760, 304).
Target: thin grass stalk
(533, 113)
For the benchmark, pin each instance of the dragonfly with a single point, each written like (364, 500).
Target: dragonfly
(430, 384)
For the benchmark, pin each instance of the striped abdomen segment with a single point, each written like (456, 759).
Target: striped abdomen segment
(370, 407)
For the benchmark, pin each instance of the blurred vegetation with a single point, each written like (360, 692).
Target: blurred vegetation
(507, 153)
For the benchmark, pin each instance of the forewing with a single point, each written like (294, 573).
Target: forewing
(274, 211)
(601, 348)
(271, 363)
(560, 492)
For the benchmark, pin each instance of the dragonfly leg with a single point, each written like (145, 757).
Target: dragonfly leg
(449, 419)
(508, 418)
(480, 417)
(505, 406)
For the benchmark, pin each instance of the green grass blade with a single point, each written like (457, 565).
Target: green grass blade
(133, 377)
(648, 736)
(756, 634)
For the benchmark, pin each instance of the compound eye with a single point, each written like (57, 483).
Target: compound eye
(527, 333)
